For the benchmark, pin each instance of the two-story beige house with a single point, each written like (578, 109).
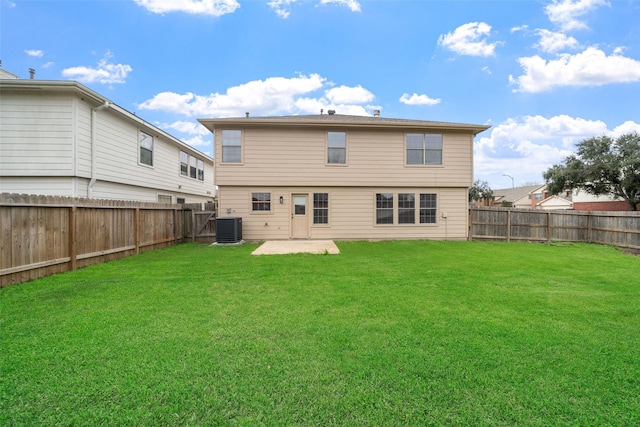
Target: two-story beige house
(333, 176)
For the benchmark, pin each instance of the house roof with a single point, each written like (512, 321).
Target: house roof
(67, 86)
(515, 193)
(555, 201)
(339, 121)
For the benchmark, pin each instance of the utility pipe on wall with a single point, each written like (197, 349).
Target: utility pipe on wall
(94, 115)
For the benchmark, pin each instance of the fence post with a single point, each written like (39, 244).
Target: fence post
(136, 229)
(548, 227)
(589, 227)
(508, 224)
(72, 238)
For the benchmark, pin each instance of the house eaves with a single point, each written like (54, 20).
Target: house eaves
(341, 121)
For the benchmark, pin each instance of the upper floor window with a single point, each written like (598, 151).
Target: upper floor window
(146, 149)
(200, 170)
(424, 149)
(192, 167)
(231, 146)
(337, 147)
(184, 163)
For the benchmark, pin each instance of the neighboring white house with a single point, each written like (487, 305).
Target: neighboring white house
(61, 138)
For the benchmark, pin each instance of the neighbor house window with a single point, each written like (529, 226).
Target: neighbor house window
(146, 149)
(424, 149)
(192, 167)
(321, 208)
(406, 208)
(384, 208)
(231, 146)
(164, 199)
(184, 163)
(200, 170)
(260, 202)
(428, 208)
(337, 147)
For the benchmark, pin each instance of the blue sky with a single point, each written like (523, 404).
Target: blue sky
(544, 74)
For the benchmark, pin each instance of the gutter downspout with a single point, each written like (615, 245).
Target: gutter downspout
(94, 115)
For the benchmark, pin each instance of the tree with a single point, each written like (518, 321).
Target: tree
(480, 190)
(601, 166)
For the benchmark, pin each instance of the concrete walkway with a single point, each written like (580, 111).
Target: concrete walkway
(280, 247)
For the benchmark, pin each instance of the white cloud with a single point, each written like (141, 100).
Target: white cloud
(589, 68)
(627, 127)
(552, 42)
(195, 7)
(349, 95)
(281, 7)
(354, 5)
(188, 128)
(519, 28)
(105, 73)
(48, 64)
(416, 99)
(469, 39)
(272, 96)
(37, 53)
(487, 70)
(526, 147)
(567, 13)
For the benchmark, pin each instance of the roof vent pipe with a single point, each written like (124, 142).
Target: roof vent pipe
(376, 113)
(32, 73)
(331, 112)
(247, 114)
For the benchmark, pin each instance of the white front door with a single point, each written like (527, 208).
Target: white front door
(299, 217)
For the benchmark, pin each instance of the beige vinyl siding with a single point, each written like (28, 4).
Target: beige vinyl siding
(279, 157)
(351, 213)
(36, 136)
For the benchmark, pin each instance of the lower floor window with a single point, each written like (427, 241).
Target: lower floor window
(408, 209)
(321, 208)
(428, 208)
(164, 199)
(260, 202)
(384, 208)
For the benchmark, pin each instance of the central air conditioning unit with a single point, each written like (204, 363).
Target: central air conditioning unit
(228, 230)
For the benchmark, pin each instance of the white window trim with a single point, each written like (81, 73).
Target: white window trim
(346, 149)
(272, 203)
(241, 162)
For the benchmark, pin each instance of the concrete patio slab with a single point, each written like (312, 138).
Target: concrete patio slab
(281, 247)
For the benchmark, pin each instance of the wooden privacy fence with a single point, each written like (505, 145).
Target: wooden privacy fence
(199, 222)
(43, 235)
(611, 228)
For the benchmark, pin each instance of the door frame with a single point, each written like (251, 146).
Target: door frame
(296, 219)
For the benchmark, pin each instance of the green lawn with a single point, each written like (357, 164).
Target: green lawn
(388, 333)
